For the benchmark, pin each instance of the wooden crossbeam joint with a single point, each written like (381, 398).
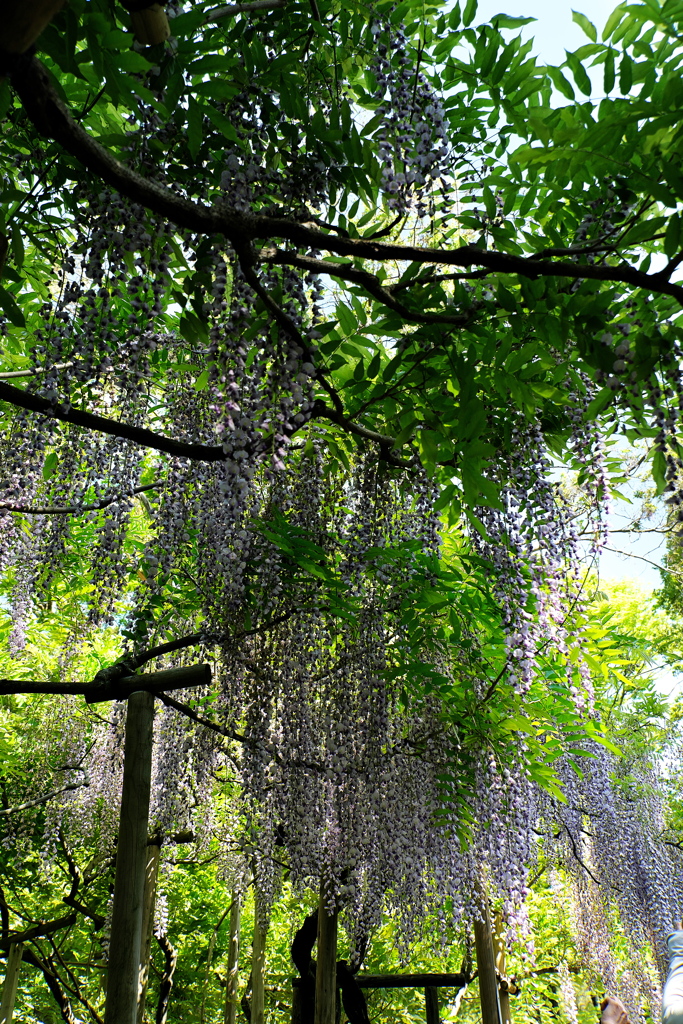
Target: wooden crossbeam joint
(117, 683)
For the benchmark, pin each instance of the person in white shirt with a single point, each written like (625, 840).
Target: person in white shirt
(672, 993)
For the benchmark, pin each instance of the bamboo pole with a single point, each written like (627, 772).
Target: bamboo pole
(326, 970)
(486, 964)
(123, 982)
(258, 970)
(9, 988)
(148, 902)
(232, 974)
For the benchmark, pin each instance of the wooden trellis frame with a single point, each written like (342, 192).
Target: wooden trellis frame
(431, 983)
(125, 970)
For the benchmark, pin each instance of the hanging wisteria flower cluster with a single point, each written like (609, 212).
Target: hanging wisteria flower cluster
(609, 838)
(413, 149)
(532, 544)
(354, 743)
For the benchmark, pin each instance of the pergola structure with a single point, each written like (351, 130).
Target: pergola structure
(125, 966)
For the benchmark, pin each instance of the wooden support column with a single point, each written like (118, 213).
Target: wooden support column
(499, 955)
(326, 970)
(486, 964)
(432, 1004)
(232, 1000)
(123, 983)
(296, 1002)
(9, 988)
(148, 903)
(258, 970)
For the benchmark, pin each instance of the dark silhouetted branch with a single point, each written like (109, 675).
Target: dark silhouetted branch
(44, 799)
(78, 509)
(52, 120)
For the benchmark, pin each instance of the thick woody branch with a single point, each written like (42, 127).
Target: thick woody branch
(181, 643)
(166, 982)
(194, 452)
(46, 796)
(139, 435)
(53, 983)
(370, 282)
(39, 931)
(190, 713)
(232, 10)
(385, 442)
(287, 324)
(77, 509)
(52, 120)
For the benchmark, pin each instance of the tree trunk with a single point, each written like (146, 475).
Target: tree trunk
(166, 983)
(258, 971)
(326, 970)
(148, 901)
(499, 955)
(123, 983)
(54, 985)
(9, 989)
(232, 974)
(486, 965)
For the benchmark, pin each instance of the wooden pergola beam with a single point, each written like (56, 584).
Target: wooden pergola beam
(115, 688)
(408, 980)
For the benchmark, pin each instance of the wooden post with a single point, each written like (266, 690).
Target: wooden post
(499, 956)
(232, 974)
(148, 902)
(9, 989)
(432, 1004)
(326, 970)
(258, 971)
(296, 1003)
(486, 965)
(123, 983)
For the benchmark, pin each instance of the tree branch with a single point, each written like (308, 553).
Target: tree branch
(39, 931)
(166, 983)
(641, 558)
(231, 10)
(52, 120)
(77, 509)
(53, 983)
(158, 442)
(44, 799)
(139, 435)
(33, 371)
(367, 280)
(189, 712)
(135, 661)
(578, 858)
(287, 325)
(386, 443)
